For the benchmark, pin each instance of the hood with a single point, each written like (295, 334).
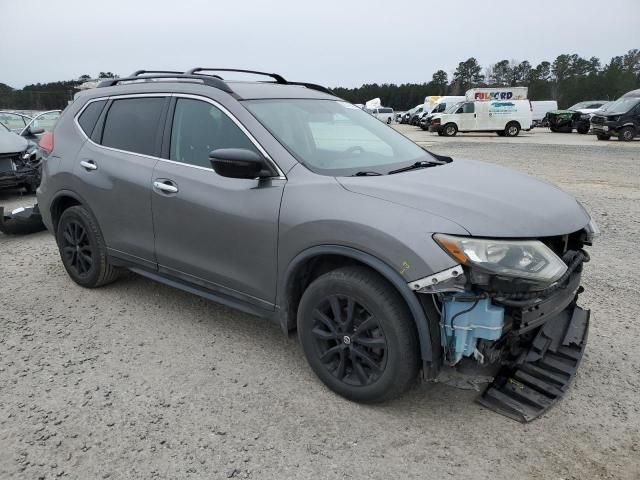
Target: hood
(486, 200)
(12, 143)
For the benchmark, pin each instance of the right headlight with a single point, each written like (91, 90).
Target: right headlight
(530, 259)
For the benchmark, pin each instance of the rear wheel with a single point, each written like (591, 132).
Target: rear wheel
(358, 335)
(627, 134)
(82, 249)
(450, 130)
(603, 137)
(389, 121)
(512, 129)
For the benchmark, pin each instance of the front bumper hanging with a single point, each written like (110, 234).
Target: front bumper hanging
(542, 375)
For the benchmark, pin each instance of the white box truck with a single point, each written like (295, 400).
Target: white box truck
(487, 110)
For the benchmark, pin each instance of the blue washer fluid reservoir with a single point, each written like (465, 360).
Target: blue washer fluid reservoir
(484, 321)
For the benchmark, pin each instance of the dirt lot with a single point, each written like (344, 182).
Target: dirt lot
(137, 380)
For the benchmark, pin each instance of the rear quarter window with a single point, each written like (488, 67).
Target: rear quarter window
(132, 124)
(89, 117)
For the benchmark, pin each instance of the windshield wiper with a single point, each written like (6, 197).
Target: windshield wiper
(366, 174)
(420, 164)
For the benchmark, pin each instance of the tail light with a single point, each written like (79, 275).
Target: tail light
(46, 142)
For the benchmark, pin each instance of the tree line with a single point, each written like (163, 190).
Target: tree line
(568, 79)
(44, 96)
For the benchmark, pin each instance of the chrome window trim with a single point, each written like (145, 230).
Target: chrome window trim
(280, 176)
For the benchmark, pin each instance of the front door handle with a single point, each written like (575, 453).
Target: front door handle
(88, 165)
(165, 187)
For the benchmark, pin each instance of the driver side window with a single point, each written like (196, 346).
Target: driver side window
(199, 128)
(468, 107)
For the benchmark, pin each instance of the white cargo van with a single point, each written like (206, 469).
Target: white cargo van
(487, 110)
(505, 117)
(539, 110)
(384, 114)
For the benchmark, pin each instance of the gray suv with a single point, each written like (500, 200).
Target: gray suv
(284, 201)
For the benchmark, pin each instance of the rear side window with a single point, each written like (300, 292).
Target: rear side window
(468, 107)
(132, 124)
(90, 116)
(199, 128)
(385, 110)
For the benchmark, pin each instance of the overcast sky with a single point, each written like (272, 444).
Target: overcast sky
(335, 43)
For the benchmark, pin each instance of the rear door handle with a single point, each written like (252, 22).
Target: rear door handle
(88, 165)
(165, 186)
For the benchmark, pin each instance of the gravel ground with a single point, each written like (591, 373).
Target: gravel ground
(137, 380)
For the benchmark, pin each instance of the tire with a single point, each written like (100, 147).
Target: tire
(554, 129)
(512, 129)
(369, 355)
(626, 134)
(440, 134)
(83, 250)
(603, 137)
(500, 133)
(583, 129)
(450, 130)
(389, 121)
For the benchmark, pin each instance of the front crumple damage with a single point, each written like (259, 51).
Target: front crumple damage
(528, 338)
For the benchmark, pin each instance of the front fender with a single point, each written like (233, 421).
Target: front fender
(386, 271)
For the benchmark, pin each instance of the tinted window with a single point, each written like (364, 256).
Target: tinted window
(199, 128)
(468, 107)
(132, 124)
(385, 110)
(90, 116)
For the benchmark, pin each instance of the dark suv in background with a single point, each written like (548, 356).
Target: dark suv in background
(621, 119)
(284, 201)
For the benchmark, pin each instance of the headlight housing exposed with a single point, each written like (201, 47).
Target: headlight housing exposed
(529, 259)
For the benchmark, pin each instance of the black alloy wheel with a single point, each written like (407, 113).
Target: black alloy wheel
(358, 335)
(76, 248)
(83, 250)
(349, 340)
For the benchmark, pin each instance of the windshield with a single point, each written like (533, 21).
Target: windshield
(622, 105)
(335, 138)
(453, 107)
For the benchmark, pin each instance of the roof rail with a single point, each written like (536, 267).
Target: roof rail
(144, 72)
(205, 79)
(275, 76)
(313, 86)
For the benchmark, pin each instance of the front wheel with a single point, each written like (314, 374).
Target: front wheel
(450, 130)
(627, 134)
(358, 335)
(583, 128)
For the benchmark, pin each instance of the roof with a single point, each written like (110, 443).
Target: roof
(241, 90)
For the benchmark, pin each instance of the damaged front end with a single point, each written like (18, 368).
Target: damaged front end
(20, 169)
(508, 312)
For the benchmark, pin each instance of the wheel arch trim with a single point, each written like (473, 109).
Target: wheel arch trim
(382, 268)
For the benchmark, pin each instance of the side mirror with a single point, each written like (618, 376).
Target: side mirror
(459, 110)
(32, 131)
(238, 163)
